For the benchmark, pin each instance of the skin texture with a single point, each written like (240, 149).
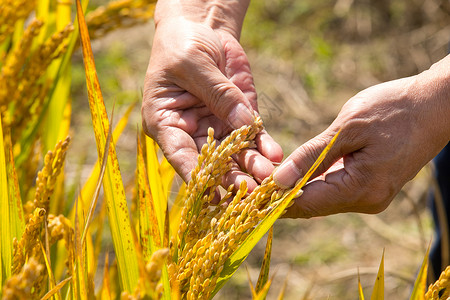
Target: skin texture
(389, 132)
(199, 77)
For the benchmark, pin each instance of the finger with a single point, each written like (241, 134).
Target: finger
(236, 176)
(217, 197)
(237, 70)
(180, 150)
(220, 95)
(268, 147)
(299, 162)
(169, 108)
(252, 162)
(220, 128)
(344, 190)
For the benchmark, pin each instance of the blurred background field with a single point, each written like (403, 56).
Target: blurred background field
(308, 57)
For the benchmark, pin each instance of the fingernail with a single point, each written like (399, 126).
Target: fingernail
(287, 174)
(239, 116)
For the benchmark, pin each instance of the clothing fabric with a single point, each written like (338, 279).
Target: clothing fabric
(442, 176)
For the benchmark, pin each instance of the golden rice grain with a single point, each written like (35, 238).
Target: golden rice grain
(21, 285)
(29, 240)
(441, 288)
(46, 179)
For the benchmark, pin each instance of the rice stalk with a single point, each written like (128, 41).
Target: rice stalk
(15, 61)
(119, 14)
(210, 234)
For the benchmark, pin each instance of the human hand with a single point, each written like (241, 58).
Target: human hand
(389, 132)
(199, 77)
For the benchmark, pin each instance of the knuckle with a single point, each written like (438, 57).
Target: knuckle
(220, 97)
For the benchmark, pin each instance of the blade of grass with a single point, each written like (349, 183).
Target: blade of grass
(56, 123)
(360, 290)
(155, 181)
(283, 288)
(18, 221)
(167, 294)
(105, 292)
(420, 286)
(51, 277)
(378, 289)
(89, 187)
(238, 256)
(58, 204)
(98, 185)
(12, 222)
(265, 266)
(27, 141)
(249, 279)
(112, 183)
(56, 289)
(167, 175)
(5, 233)
(149, 235)
(262, 294)
(80, 272)
(175, 211)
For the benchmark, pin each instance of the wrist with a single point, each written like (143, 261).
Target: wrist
(433, 87)
(225, 15)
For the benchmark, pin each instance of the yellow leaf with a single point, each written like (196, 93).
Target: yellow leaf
(252, 288)
(378, 289)
(87, 192)
(167, 175)
(360, 290)
(51, 277)
(56, 288)
(283, 289)
(265, 266)
(105, 292)
(262, 294)
(112, 183)
(241, 253)
(80, 273)
(420, 286)
(156, 184)
(150, 236)
(12, 222)
(175, 211)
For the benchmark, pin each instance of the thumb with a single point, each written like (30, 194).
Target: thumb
(220, 95)
(299, 162)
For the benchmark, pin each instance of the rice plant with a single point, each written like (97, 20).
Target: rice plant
(184, 251)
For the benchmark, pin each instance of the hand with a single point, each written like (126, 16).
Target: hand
(389, 132)
(199, 77)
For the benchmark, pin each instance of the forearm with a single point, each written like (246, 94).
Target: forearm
(227, 15)
(433, 86)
